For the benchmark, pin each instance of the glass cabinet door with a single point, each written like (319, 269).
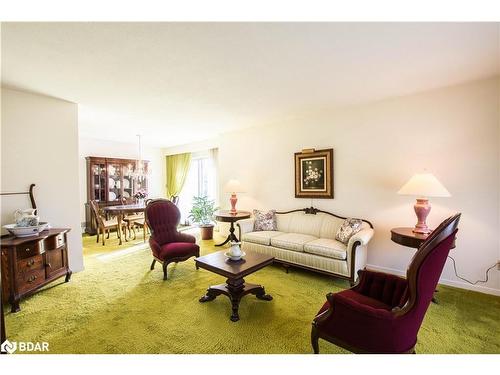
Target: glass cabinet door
(98, 177)
(128, 182)
(141, 183)
(114, 182)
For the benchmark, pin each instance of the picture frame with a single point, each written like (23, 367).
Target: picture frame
(314, 174)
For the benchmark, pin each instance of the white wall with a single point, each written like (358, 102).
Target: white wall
(193, 147)
(40, 145)
(97, 147)
(452, 132)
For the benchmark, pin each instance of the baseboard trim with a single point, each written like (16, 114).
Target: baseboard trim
(453, 283)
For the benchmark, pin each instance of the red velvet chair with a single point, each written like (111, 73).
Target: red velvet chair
(167, 243)
(382, 313)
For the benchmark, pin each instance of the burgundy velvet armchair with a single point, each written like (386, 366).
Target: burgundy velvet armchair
(167, 243)
(383, 313)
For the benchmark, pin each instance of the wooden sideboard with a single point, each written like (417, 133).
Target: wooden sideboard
(29, 263)
(3, 331)
(109, 182)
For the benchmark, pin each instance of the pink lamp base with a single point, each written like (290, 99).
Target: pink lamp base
(422, 209)
(233, 201)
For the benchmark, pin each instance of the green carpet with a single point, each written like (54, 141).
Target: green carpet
(117, 305)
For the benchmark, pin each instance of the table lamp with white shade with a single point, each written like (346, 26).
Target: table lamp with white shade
(233, 187)
(423, 186)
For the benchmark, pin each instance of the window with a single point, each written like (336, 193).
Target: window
(201, 180)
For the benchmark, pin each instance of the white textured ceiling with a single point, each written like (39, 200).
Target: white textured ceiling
(181, 82)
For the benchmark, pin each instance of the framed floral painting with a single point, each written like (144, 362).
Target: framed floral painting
(314, 174)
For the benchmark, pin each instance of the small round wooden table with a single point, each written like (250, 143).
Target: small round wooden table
(407, 237)
(227, 216)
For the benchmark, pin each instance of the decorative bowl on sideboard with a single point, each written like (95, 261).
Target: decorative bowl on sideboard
(26, 231)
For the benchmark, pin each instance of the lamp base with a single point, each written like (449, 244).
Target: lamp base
(422, 209)
(233, 201)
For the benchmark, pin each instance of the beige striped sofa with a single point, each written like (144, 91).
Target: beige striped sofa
(306, 238)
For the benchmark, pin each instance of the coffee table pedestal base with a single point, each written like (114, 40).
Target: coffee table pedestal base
(235, 289)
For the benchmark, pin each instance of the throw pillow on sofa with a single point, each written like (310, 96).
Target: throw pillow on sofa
(264, 220)
(348, 229)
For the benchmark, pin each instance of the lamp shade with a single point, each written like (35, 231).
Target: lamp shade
(424, 185)
(234, 186)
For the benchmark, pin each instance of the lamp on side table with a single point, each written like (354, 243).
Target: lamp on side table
(233, 187)
(423, 186)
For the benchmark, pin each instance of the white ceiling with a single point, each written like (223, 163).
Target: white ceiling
(181, 82)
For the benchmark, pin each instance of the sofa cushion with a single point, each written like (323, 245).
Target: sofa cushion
(327, 248)
(348, 229)
(260, 237)
(264, 221)
(304, 223)
(329, 226)
(292, 241)
(299, 222)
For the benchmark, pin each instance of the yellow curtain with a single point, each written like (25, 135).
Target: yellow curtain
(177, 171)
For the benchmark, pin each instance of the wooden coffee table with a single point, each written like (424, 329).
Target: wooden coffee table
(235, 287)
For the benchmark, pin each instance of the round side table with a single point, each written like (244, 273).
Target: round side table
(407, 237)
(227, 216)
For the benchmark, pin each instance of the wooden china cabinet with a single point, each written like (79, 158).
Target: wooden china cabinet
(108, 181)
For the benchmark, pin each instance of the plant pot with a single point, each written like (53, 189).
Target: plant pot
(207, 232)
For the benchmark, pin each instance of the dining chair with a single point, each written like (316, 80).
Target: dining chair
(383, 313)
(130, 218)
(104, 225)
(141, 223)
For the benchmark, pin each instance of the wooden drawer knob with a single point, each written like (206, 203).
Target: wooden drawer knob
(32, 278)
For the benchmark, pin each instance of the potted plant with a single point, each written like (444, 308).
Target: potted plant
(202, 214)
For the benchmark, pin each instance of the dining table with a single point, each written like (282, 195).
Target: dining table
(120, 210)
